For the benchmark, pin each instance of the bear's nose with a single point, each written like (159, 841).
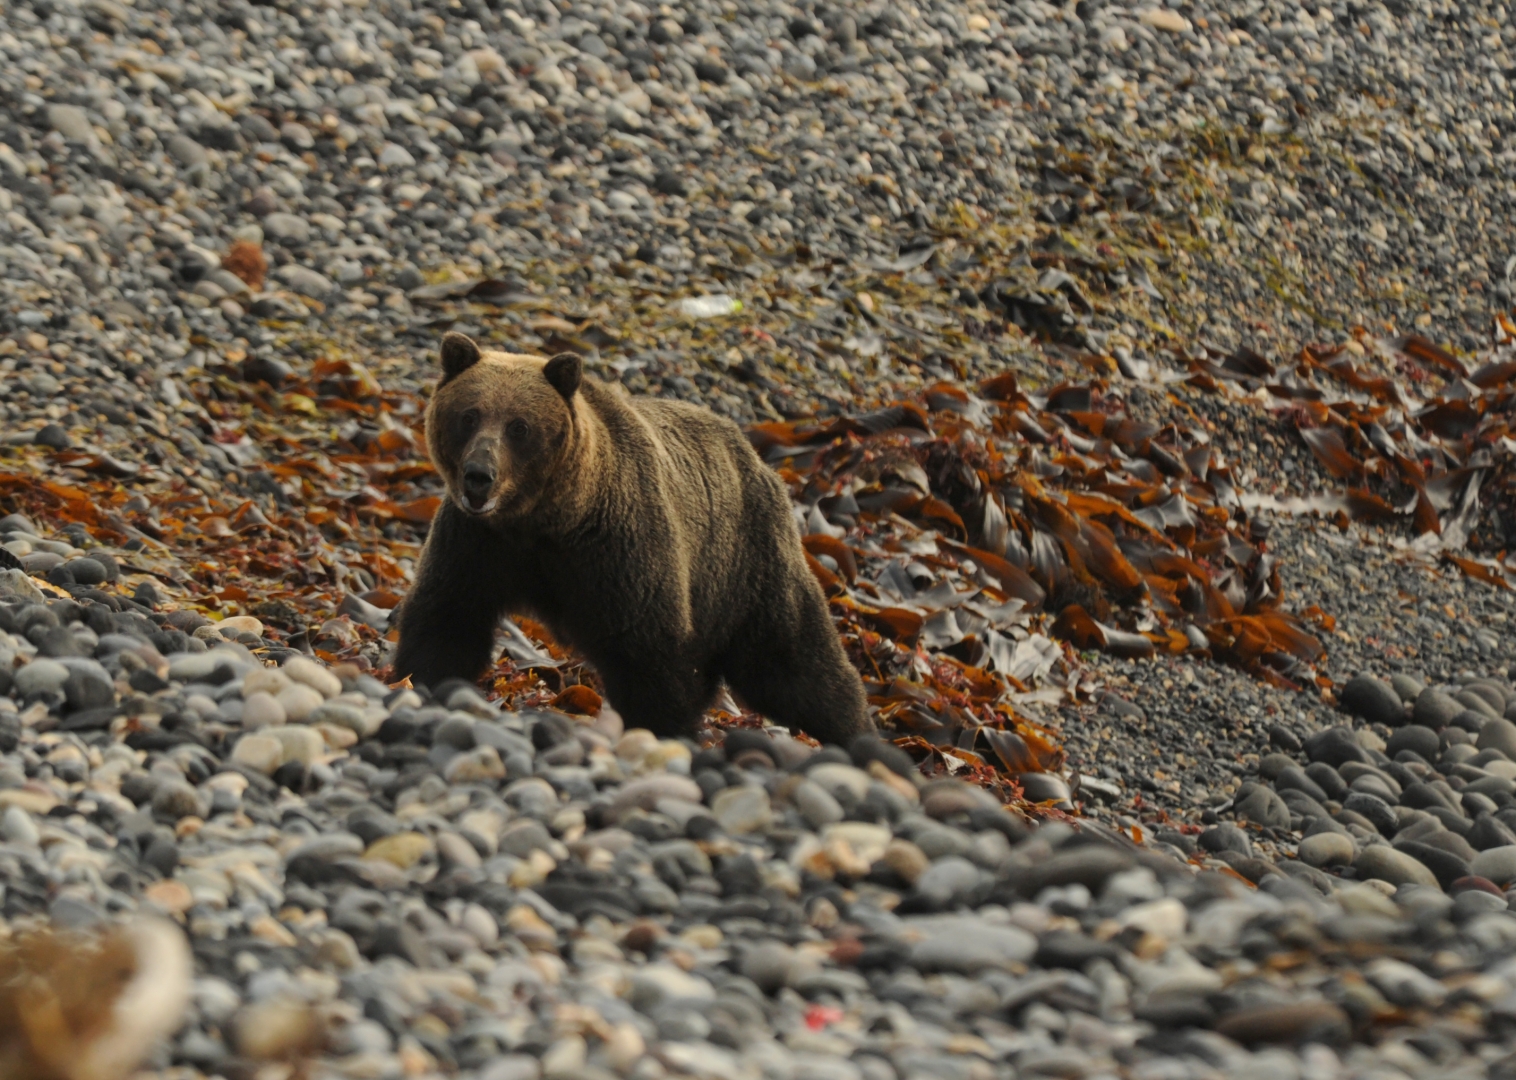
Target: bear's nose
(478, 480)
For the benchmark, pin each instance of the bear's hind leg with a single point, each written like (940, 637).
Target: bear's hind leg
(795, 673)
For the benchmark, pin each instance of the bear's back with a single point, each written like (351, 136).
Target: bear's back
(727, 511)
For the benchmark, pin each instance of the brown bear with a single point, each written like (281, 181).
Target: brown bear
(645, 533)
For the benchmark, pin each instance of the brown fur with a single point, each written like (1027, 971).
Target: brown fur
(645, 533)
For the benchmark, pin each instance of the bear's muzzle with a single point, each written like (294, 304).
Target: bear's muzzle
(478, 485)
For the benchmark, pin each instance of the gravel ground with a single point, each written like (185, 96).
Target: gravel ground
(232, 233)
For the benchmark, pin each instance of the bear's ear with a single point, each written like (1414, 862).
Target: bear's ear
(459, 353)
(563, 372)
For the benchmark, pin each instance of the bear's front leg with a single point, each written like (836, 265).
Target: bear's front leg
(448, 620)
(659, 692)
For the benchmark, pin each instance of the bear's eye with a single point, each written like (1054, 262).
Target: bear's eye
(471, 419)
(518, 429)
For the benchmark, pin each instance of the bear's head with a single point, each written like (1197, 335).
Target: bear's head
(501, 426)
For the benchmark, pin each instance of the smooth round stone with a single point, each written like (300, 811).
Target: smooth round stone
(1471, 903)
(840, 781)
(454, 850)
(1494, 691)
(40, 562)
(658, 984)
(1385, 863)
(300, 744)
(1490, 832)
(298, 702)
(1226, 837)
(395, 156)
(1408, 688)
(326, 848)
(967, 945)
(1450, 842)
(233, 625)
(940, 840)
(302, 669)
(1326, 849)
(1089, 865)
(1174, 1010)
(521, 838)
(457, 730)
(907, 860)
(477, 922)
(1434, 709)
(1478, 703)
(1498, 735)
(645, 793)
(88, 684)
(1274, 764)
(404, 850)
(286, 228)
(17, 827)
(1072, 950)
(1335, 747)
(1317, 1021)
(478, 766)
(264, 680)
(1165, 918)
(1293, 778)
(1470, 720)
(512, 1067)
(1478, 884)
(195, 667)
(1264, 807)
(345, 715)
(1373, 808)
(1444, 865)
(1373, 700)
(87, 571)
(1416, 738)
(261, 710)
(948, 879)
(768, 965)
(816, 804)
(41, 676)
(944, 798)
(742, 809)
(259, 753)
(1301, 803)
(1497, 863)
(1376, 785)
(1328, 779)
(1042, 787)
(175, 799)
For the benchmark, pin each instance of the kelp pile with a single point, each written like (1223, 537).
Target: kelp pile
(308, 522)
(1417, 438)
(960, 533)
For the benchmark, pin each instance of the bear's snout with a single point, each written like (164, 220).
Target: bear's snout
(478, 484)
